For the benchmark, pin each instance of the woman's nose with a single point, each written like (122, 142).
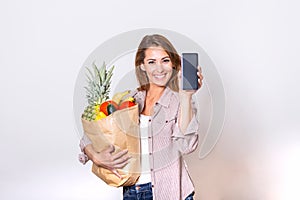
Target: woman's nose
(159, 67)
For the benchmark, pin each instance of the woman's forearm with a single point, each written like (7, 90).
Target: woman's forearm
(106, 158)
(91, 153)
(186, 112)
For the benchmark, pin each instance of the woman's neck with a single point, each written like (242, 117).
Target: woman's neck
(155, 91)
(152, 96)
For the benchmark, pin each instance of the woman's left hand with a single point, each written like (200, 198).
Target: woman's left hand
(190, 92)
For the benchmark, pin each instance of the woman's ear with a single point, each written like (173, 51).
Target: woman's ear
(142, 67)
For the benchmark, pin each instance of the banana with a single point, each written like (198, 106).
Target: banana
(128, 99)
(119, 95)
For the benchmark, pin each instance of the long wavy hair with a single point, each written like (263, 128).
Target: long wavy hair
(156, 40)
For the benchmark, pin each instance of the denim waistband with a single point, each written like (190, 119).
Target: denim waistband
(139, 187)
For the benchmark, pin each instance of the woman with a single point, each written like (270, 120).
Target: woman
(168, 126)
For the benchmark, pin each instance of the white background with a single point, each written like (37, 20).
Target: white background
(254, 45)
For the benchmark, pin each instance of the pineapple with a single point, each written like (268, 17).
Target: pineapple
(97, 90)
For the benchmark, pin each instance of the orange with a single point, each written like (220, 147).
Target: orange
(105, 105)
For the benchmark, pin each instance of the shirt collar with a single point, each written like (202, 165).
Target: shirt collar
(165, 98)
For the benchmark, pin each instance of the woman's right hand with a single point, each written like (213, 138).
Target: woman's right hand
(107, 159)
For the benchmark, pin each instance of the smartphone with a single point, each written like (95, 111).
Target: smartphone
(189, 69)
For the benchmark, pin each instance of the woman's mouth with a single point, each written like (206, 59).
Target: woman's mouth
(159, 76)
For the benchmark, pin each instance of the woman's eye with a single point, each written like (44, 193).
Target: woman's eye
(151, 62)
(166, 60)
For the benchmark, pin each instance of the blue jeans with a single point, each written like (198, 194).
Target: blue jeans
(190, 197)
(142, 192)
(138, 192)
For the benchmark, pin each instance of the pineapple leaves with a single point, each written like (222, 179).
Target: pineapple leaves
(99, 80)
(90, 75)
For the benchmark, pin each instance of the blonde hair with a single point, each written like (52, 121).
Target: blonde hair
(156, 41)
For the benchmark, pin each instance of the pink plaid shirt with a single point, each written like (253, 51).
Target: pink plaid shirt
(169, 174)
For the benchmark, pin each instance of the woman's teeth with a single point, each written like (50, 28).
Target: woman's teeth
(159, 76)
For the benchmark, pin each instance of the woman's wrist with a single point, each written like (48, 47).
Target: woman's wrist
(186, 111)
(185, 100)
(185, 95)
(90, 152)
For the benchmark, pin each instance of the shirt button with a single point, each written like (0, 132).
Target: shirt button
(152, 186)
(151, 170)
(149, 137)
(150, 153)
(149, 120)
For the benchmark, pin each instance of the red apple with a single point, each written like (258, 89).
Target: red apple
(126, 104)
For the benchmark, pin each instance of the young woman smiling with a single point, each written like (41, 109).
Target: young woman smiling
(168, 126)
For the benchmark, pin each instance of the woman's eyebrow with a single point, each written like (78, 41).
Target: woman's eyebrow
(151, 59)
(165, 57)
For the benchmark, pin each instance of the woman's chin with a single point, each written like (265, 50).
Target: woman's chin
(159, 84)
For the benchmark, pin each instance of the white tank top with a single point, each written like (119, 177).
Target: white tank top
(145, 176)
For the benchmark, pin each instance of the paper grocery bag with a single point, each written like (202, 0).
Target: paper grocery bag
(121, 129)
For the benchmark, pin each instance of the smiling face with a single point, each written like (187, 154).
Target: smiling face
(158, 66)
(157, 63)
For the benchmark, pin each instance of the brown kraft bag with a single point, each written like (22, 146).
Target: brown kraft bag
(121, 129)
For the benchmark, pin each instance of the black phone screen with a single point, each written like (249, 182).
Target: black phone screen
(189, 71)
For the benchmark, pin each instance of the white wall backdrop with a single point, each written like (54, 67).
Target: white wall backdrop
(254, 45)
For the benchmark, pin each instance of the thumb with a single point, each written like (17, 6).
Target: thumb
(179, 74)
(116, 173)
(110, 148)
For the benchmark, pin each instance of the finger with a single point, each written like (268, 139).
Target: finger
(120, 154)
(199, 69)
(121, 165)
(199, 84)
(121, 160)
(114, 171)
(200, 76)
